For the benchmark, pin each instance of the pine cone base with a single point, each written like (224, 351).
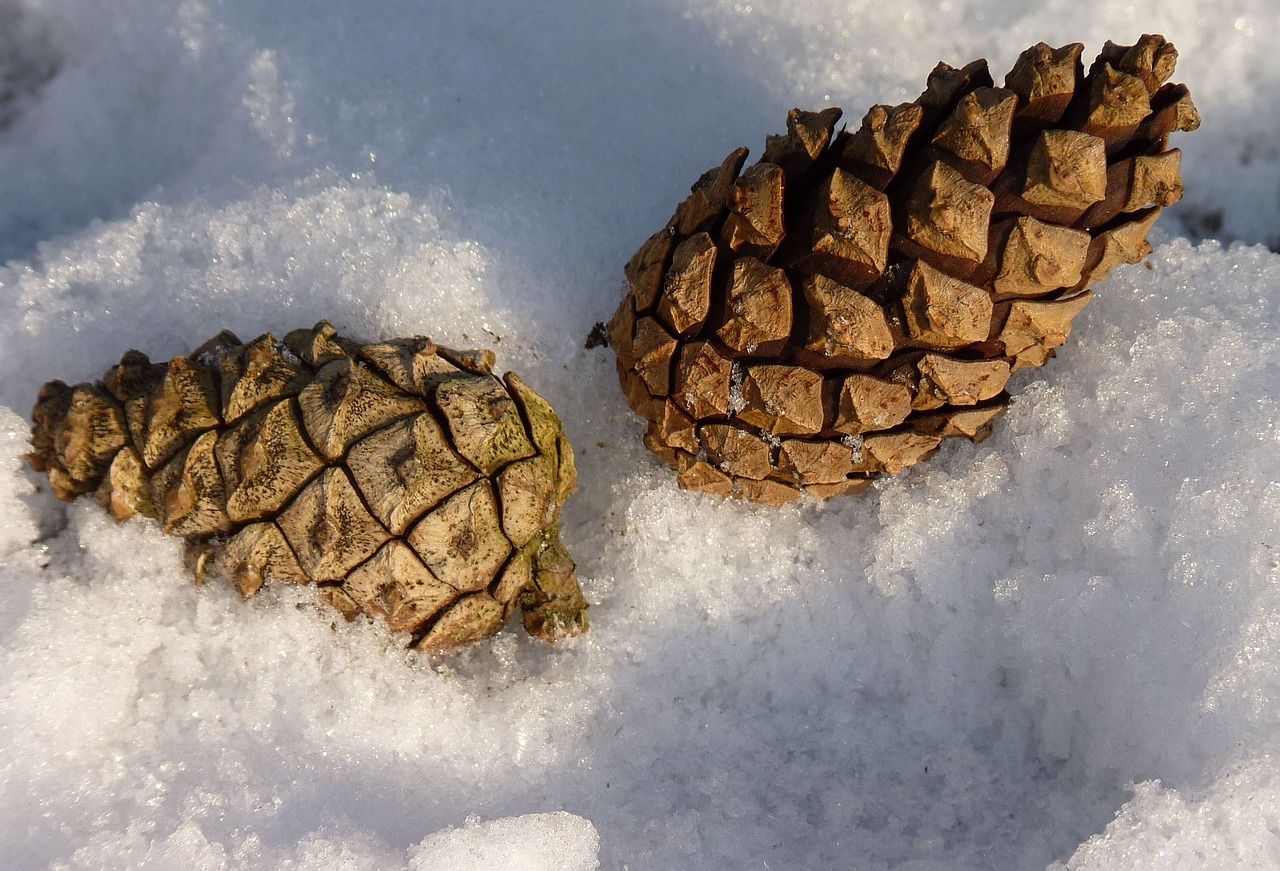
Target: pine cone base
(831, 313)
(403, 478)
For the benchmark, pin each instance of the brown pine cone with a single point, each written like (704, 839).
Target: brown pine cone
(831, 313)
(403, 478)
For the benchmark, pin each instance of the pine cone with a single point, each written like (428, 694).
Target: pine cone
(403, 478)
(834, 311)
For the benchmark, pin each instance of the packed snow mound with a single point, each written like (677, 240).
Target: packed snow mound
(555, 842)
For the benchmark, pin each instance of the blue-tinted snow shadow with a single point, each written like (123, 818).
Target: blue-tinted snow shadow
(557, 137)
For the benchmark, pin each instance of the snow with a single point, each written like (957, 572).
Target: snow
(1057, 649)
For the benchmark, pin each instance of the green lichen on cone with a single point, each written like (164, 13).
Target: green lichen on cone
(831, 313)
(402, 477)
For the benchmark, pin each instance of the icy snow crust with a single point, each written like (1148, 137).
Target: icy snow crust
(1059, 648)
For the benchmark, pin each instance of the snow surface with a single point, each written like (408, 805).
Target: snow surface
(1059, 648)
